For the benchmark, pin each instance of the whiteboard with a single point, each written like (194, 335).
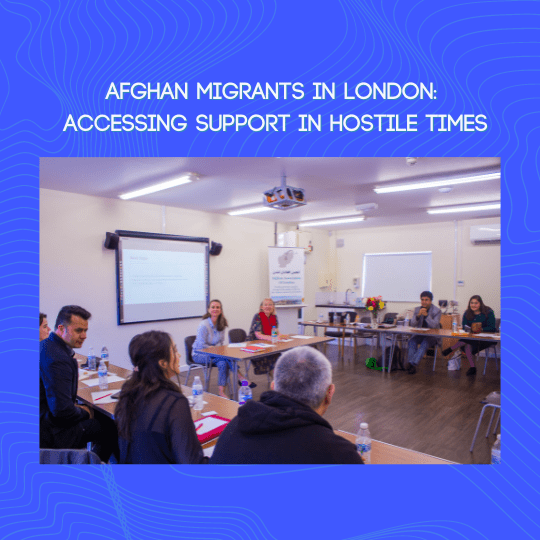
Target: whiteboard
(397, 277)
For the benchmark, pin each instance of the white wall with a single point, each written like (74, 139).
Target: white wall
(478, 266)
(75, 268)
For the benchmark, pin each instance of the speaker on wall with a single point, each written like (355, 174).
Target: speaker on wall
(111, 240)
(215, 248)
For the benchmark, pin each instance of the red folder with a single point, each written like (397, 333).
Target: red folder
(252, 348)
(210, 427)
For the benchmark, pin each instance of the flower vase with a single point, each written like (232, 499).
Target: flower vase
(374, 319)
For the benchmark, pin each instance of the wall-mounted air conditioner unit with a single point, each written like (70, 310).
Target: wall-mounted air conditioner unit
(486, 234)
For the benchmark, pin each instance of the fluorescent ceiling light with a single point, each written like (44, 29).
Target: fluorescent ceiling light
(331, 222)
(437, 183)
(475, 208)
(252, 210)
(157, 187)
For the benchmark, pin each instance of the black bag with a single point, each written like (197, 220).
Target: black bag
(397, 360)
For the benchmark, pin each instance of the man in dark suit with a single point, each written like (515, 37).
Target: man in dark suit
(62, 422)
(427, 315)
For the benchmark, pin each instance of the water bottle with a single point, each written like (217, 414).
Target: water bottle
(102, 373)
(91, 359)
(496, 451)
(363, 443)
(105, 353)
(454, 323)
(244, 394)
(407, 321)
(197, 391)
(274, 335)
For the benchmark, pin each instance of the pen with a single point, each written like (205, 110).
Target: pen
(103, 396)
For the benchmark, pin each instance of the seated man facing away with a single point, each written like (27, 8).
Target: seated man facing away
(63, 423)
(286, 425)
(425, 316)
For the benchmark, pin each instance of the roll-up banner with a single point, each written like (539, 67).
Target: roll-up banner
(286, 269)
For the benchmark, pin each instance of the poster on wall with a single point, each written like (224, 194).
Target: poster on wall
(286, 270)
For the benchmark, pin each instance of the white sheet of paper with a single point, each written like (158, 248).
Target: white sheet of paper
(301, 337)
(84, 374)
(485, 335)
(209, 451)
(100, 398)
(110, 379)
(263, 345)
(421, 329)
(204, 425)
(237, 344)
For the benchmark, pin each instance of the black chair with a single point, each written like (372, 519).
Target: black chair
(390, 318)
(49, 456)
(238, 335)
(367, 335)
(188, 342)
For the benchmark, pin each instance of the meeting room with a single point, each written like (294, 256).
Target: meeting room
(187, 297)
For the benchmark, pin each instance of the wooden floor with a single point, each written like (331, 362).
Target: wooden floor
(434, 412)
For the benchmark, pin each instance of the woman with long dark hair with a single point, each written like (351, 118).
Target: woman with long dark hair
(477, 312)
(153, 416)
(211, 332)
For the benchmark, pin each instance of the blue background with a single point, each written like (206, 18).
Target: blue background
(58, 58)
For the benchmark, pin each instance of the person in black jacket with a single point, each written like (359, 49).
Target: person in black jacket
(153, 416)
(63, 423)
(286, 425)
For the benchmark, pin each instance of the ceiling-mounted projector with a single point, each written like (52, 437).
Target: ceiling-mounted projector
(284, 197)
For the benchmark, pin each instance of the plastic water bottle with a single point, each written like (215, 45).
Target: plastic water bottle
(197, 391)
(102, 373)
(105, 353)
(454, 323)
(363, 443)
(274, 335)
(496, 451)
(245, 393)
(91, 359)
(407, 318)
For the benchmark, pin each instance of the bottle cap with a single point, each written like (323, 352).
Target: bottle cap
(364, 425)
(245, 383)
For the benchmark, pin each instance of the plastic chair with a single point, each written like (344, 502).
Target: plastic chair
(188, 342)
(495, 405)
(49, 456)
(492, 348)
(238, 335)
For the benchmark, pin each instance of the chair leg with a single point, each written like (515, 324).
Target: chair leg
(187, 376)
(435, 355)
(480, 421)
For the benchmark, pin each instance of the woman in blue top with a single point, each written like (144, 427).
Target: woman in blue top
(211, 332)
(477, 312)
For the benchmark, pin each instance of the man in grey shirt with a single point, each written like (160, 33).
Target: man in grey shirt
(427, 315)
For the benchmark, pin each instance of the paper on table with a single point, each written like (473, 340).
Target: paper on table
(237, 344)
(84, 374)
(104, 397)
(110, 379)
(209, 451)
(485, 335)
(263, 345)
(204, 425)
(301, 337)
(285, 340)
(420, 329)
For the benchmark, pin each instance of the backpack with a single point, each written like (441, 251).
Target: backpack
(397, 360)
